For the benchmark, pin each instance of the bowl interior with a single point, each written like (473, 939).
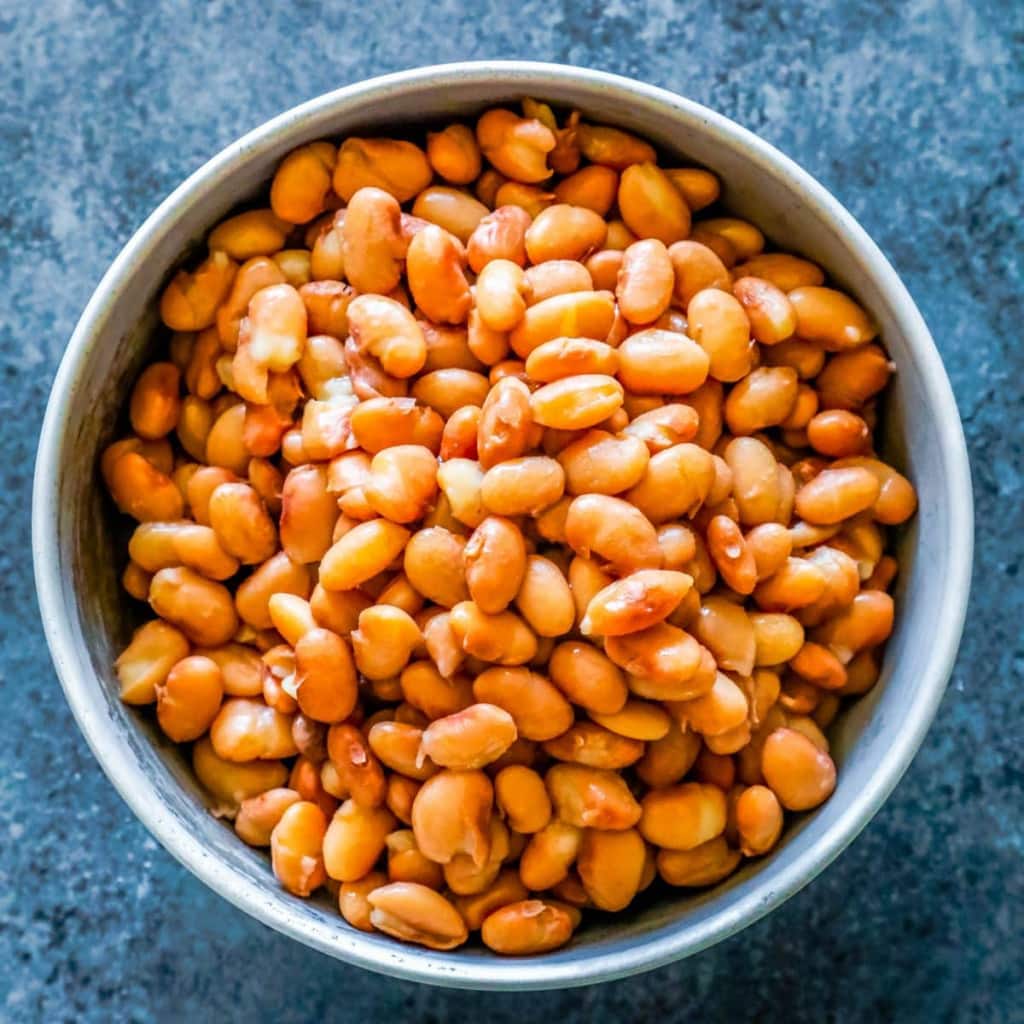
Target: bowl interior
(81, 552)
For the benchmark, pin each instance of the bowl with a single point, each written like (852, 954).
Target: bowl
(78, 551)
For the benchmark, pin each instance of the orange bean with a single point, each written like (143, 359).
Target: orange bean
(651, 205)
(611, 866)
(636, 602)
(499, 235)
(455, 211)
(295, 848)
(645, 282)
(683, 817)
(190, 300)
(771, 314)
(829, 318)
(704, 865)
(527, 928)
(395, 166)
(538, 708)
(506, 420)
(837, 494)
(517, 147)
(520, 486)
(675, 483)
(800, 775)
(454, 154)
(574, 315)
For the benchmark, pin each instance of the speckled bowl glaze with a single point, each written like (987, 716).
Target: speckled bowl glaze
(78, 555)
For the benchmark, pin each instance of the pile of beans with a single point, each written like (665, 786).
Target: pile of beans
(512, 536)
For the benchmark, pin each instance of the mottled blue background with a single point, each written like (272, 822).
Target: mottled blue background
(910, 111)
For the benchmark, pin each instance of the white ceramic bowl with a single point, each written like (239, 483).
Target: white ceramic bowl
(77, 557)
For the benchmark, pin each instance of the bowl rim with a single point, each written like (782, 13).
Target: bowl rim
(665, 944)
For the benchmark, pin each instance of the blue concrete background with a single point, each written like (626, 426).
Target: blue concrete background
(909, 111)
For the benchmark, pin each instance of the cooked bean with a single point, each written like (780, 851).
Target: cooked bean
(574, 315)
(771, 314)
(590, 744)
(527, 928)
(645, 283)
(614, 531)
(829, 318)
(247, 730)
(545, 599)
(499, 235)
(661, 362)
(355, 839)
(451, 815)
(703, 865)
(516, 146)
(201, 608)
(454, 154)
(629, 605)
(556, 277)
(837, 494)
(190, 300)
(683, 817)
(588, 677)
(591, 797)
(577, 402)
(675, 483)
(722, 708)
(726, 630)
(668, 759)
(764, 398)
(718, 323)
(450, 209)
(522, 798)
(651, 205)
(396, 166)
(520, 486)
(360, 554)
(506, 423)
(611, 866)
(601, 463)
(471, 738)
(800, 775)
(539, 710)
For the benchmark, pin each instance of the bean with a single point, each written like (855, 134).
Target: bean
(577, 402)
(575, 314)
(723, 708)
(593, 188)
(450, 209)
(704, 865)
(564, 232)
(461, 482)
(897, 500)
(258, 815)
(517, 147)
(733, 557)
(454, 154)
(661, 654)
(538, 708)
(384, 641)
(818, 665)
(471, 738)
(544, 598)
(506, 422)
(612, 147)
(593, 745)
(699, 188)
(600, 463)
(190, 300)
(522, 798)
(302, 182)
(397, 744)
(668, 759)
(436, 277)
(726, 630)
(777, 637)
(770, 544)
(613, 530)
(664, 426)
(837, 494)
(646, 281)
(527, 928)
(683, 817)
(395, 166)
(245, 730)
(651, 205)
(838, 433)
(591, 798)
(201, 608)
(353, 901)
(771, 314)
(588, 677)
(866, 622)
(675, 483)
(603, 268)
(568, 357)
(611, 866)
(764, 398)
(655, 361)
(678, 545)
(556, 277)
(360, 554)
(505, 889)
(433, 564)
(451, 815)
(373, 242)
(499, 235)
(756, 486)
(784, 271)
(634, 603)
(637, 720)
(386, 330)
(355, 839)
(143, 666)
(521, 486)
(829, 318)
(295, 847)
(800, 775)
(406, 862)
(718, 323)
(502, 638)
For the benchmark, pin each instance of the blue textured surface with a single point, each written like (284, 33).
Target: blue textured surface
(909, 112)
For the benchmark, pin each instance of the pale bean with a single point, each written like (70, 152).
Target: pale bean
(718, 323)
(499, 235)
(544, 598)
(675, 483)
(360, 554)
(520, 486)
(614, 531)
